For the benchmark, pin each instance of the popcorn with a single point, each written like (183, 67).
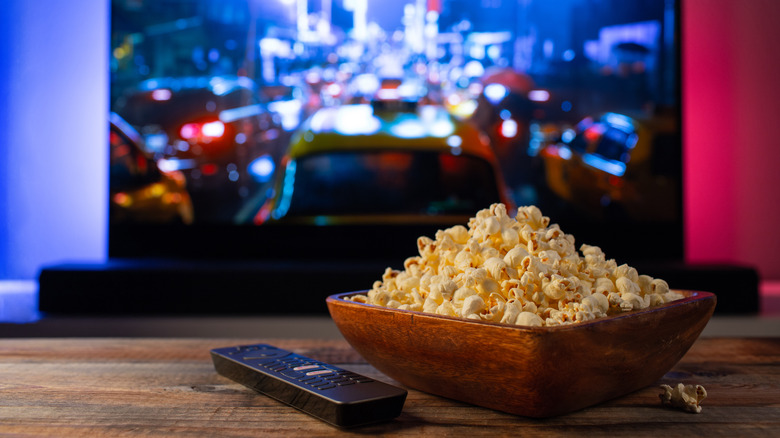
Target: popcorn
(518, 270)
(685, 397)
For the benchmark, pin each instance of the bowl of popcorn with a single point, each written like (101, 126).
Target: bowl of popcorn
(506, 313)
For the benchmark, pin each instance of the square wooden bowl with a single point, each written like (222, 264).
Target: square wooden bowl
(528, 371)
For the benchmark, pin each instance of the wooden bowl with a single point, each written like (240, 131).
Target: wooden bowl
(528, 371)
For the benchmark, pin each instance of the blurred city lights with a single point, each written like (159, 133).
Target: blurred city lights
(409, 129)
(495, 93)
(190, 130)
(262, 168)
(156, 142)
(620, 121)
(287, 191)
(290, 110)
(568, 135)
(509, 128)
(333, 89)
(173, 164)
(610, 166)
(442, 128)
(564, 152)
(357, 120)
(161, 94)
(388, 94)
(213, 129)
(539, 95)
(473, 69)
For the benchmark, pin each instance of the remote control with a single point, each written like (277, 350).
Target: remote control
(340, 397)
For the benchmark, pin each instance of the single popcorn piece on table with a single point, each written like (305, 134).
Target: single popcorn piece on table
(685, 397)
(518, 270)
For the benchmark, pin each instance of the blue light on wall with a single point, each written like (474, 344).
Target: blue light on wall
(6, 55)
(53, 153)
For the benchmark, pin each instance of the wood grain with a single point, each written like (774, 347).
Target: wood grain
(162, 387)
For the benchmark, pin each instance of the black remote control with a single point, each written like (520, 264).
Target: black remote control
(337, 396)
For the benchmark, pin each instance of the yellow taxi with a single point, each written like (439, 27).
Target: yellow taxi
(388, 162)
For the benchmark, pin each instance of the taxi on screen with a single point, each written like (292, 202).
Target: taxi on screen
(389, 162)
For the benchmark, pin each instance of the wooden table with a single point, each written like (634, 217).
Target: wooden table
(161, 387)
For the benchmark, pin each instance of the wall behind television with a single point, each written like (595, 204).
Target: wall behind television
(53, 108)
(731, 96)
(53, 92)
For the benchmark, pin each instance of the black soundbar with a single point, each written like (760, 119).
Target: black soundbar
(293, 286)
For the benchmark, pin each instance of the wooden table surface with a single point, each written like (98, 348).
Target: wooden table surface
(162, 387)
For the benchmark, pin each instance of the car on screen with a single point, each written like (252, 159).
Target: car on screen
(617, 166)
(213, 129)
(389, 162)
(139, 190)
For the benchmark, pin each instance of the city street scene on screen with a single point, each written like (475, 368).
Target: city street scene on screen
(252, 112)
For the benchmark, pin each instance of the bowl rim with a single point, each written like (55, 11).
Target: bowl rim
(690, 296)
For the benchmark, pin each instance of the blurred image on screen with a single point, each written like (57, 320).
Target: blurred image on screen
(405, 111)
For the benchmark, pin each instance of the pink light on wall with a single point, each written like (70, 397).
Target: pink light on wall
(709, 134)
(731, 96)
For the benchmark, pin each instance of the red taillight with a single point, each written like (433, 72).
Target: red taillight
(594, 132)
(202, 131)
(122, 199)
(209, 169)
(190, 131)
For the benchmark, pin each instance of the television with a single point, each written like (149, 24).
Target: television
(302, 146)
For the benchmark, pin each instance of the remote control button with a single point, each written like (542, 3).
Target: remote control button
(326, 387)
(306, 367)
(292, 374)
(318, 372)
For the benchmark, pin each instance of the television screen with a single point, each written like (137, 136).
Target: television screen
(309, 129)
